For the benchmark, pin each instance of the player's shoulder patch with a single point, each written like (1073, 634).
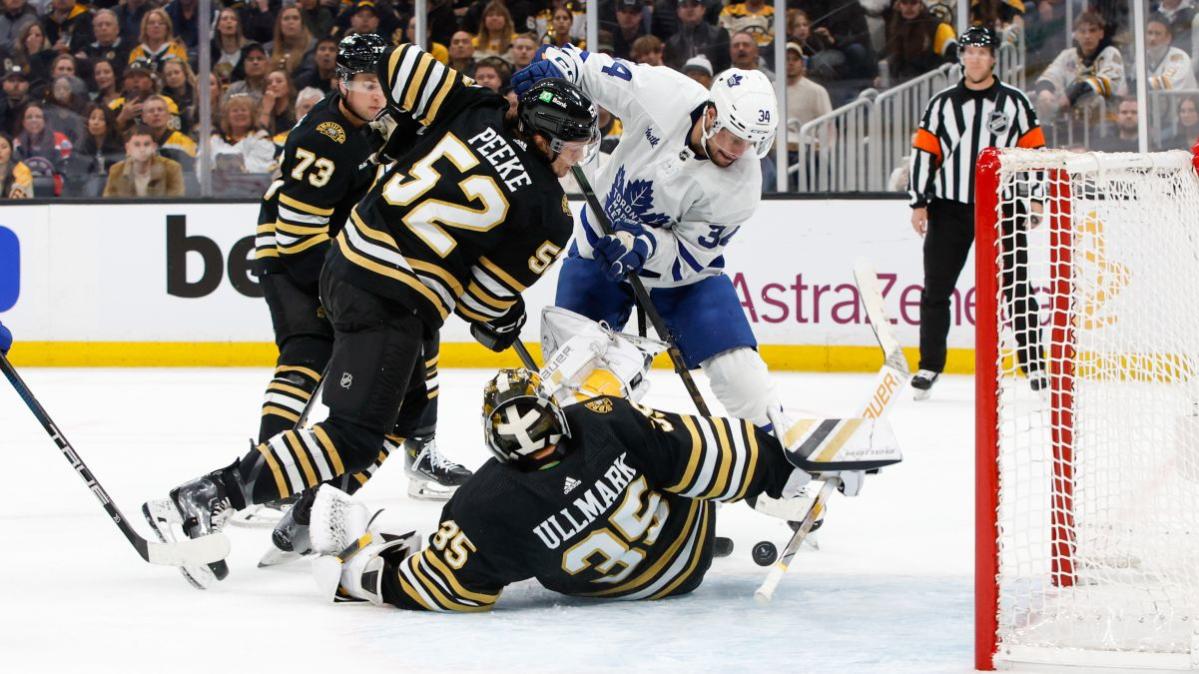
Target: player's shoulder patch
(1176, 56)
(599, 405)
(333, 130)
(565, 205)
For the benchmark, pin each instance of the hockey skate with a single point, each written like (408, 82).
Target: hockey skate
(350, 564)
(922, 384)
(290, 540)
(263, 515)
(193, 509)
(431, 476)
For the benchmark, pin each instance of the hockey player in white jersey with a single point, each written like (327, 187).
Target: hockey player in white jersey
(682, 181)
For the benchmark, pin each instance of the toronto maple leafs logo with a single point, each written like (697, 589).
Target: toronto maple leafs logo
(633, 200)
(735, 79)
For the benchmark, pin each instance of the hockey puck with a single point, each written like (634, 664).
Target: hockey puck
(764, 553)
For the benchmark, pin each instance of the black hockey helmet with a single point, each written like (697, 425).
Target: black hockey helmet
(358, 53)
(519, 420)
(561, 112)
(979, 36)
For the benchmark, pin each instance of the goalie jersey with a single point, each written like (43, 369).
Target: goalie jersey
(325, 170)
(467, 217)
(629, 512)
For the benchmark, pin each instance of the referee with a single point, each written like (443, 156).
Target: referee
(978, 112)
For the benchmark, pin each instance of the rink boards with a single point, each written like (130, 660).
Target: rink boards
(171, 284)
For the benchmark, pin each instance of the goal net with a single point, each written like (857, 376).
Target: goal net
(1087, 410)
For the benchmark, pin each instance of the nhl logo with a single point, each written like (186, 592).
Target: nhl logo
(998, 122)
(347, 380)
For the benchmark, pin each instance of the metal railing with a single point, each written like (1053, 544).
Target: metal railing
(833, 150)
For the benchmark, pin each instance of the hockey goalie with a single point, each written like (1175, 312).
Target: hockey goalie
(588, 491)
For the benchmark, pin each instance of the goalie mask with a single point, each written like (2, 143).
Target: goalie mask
(518, 420)
(746, 106)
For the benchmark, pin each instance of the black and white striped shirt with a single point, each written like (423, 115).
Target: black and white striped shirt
(958, 124)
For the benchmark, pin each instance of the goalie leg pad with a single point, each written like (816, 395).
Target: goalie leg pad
(743, 385)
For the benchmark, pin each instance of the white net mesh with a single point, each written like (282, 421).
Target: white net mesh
(1097, 407)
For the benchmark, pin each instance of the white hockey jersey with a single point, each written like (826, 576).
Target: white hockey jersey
(691, 207)
(1105, 74)
(1170, 70)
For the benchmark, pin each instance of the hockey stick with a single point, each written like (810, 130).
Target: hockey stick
(526, 358)
(643, 298)
(193, 551)
(890, 380)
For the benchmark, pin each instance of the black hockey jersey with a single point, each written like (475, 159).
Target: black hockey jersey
(465, 219)
(627, 513)
(325, 169)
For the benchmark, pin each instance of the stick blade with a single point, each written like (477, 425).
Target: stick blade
(189, 552)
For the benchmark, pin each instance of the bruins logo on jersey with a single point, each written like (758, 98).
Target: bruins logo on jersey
(599, 405)
(565, 205)
(333, 130)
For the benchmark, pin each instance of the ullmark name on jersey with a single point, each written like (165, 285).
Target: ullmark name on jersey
(593, 503)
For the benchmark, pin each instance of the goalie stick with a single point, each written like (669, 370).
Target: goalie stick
(893, 375)
(643, 299)
(202, 550)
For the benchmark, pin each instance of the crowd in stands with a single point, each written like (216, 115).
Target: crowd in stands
(102, 99)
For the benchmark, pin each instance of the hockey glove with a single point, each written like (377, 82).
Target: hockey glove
(5, 339)
(623, 253)
(500, 333)
(526, 77)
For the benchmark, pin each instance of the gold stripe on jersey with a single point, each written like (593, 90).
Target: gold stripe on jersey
(432, 362)
(300, 230)
(422, 69)
(480, 293)
(426, 584)
(438, 271)
(276, 471)
(648, 575)
(697, 553)
(403, 276)
(330, 449)
(418, 84)
(292, 202)
(726, 462)
(281, 412)
(693, 462)
(504, 277)
(447, 574)
(303, 245)
(294, 444)
(410, 590)
(751, 444)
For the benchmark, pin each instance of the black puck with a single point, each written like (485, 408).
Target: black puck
(764, 553)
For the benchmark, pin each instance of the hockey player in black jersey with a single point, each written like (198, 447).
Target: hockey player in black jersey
(604, 498)
(326, 169)
(469, 215)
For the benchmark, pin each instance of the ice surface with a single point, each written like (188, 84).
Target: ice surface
(889, 590)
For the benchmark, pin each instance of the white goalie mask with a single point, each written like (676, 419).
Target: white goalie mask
(746, 106)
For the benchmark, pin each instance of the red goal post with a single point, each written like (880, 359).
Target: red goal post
(1087, 410)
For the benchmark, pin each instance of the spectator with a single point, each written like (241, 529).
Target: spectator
(16, 181)
(495, 31)
(665, 20)
(86, 170)
(252, 77)
(320, 67)
(648, 49)
(104, 80)
(1044, 35)
(33, 53)
(848, 57)
(1169, 67)
(16, 95)
(752, 16)
(63, 65)
(1187, 132)
(68, 26)
(41, 148)
(492, 73)
(1093, 67)
(524, 48)
(696, 37)
(156, 116)
(917, 42)
(130, 14)
(743, 52)
(543, 22)
(699, 69)
(806, 100)
(365, 18)
(436, 49)
(144, 172)
(278, 107)
(258, 18)
(138, 84)
(306, 99)
(107, 42)
(630, 25)
(1005, 17)
(1181, 15)
(157, 40)
(1125, 137)
(179, 84)
(241, 146)
(462, 53)
(65, 101)
(17, 14)
(292, 40)
(558, 33)
(227, 43)
(799, 31)
(318, 18)
(186, 22)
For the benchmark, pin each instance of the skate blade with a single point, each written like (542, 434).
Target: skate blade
(163, 516)
(276, 557)
(258, 517)
(423, 490)
(918, 394)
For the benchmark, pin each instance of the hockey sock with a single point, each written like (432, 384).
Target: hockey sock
(291, 462)
(286, 396)
(353, 482)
